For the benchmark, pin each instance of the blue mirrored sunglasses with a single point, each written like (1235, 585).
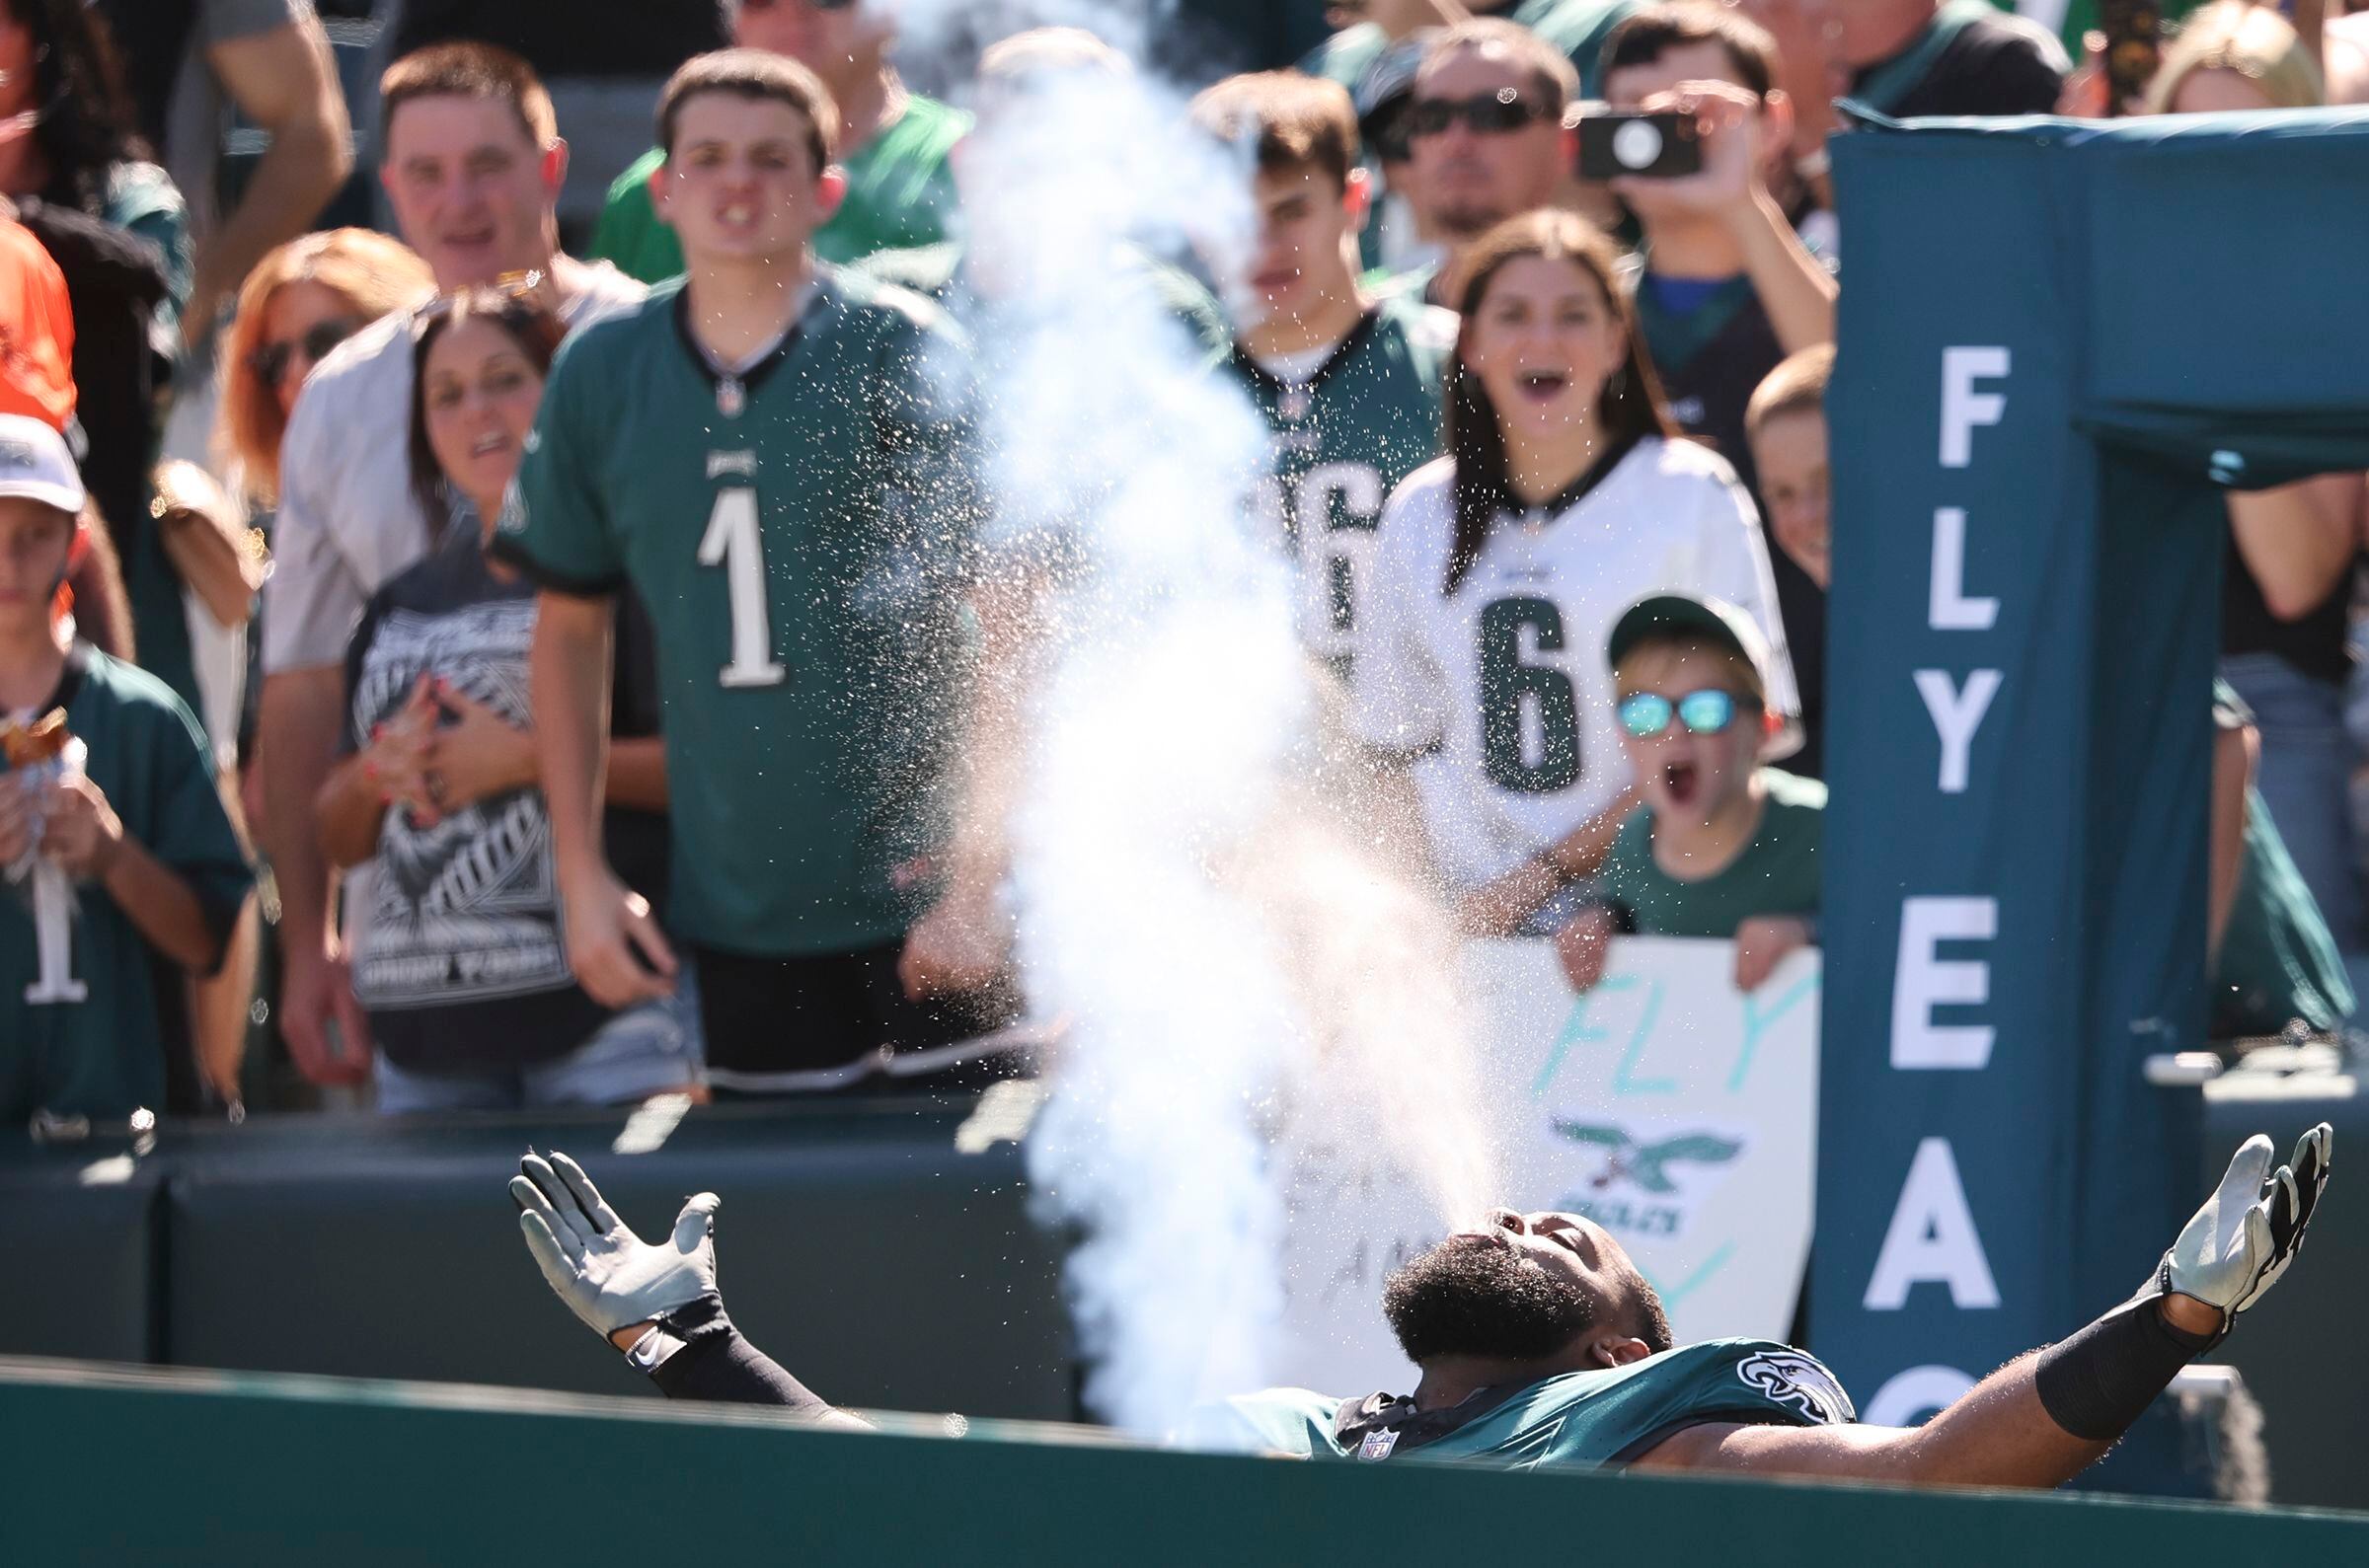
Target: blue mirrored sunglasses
(1706, 712)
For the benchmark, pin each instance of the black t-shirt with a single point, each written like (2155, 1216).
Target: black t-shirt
(1709, 360)
(594, 37)
(1994, 65)
(460, 961)
(2314, 645)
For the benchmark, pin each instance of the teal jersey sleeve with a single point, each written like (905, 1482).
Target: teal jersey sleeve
(557, 528)
(1588, 1419)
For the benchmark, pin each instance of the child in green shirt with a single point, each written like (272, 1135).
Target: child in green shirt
(1722, 845)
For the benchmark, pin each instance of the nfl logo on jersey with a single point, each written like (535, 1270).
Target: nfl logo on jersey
(1377, 1445)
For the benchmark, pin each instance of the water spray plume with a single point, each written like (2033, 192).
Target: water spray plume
(1237, 956)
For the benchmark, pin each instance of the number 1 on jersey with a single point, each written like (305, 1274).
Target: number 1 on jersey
(732, 540)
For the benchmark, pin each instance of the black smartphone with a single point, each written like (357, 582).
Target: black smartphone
(1615, 143)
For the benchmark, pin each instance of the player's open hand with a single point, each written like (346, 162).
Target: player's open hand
(614, 945)
(607, 1275)
(2248, 1232)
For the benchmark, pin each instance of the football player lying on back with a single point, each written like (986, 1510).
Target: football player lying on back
(1540, 1343)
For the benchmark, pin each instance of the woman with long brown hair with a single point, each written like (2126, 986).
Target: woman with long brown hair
(461, 967)
(1565, 498)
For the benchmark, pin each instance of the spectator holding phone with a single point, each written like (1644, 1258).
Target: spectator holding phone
(1728, 287)
(1722, 845)
(462, 965)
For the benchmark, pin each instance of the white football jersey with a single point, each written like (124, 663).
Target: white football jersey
(1503, 685)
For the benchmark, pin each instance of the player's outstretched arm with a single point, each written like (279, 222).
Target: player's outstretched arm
(655, 1303)
(2046, 1416)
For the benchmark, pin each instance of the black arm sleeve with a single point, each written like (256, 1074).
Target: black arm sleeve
(717, 1363)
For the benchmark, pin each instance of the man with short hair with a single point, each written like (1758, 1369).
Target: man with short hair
(1728, 287)
(893, 142)
(473, 165)
(776, 456)
(1350, 386)
(1487, 137)
(1541, 1345)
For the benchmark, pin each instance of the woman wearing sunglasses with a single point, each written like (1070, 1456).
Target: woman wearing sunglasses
(460, 966)
(1502, 568)
(301, 300)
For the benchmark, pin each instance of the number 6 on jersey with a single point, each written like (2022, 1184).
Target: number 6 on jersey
(733, 542)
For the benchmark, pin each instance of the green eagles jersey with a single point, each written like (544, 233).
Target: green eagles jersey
(899, 192)
(1345, 437)
(1777, 874)
(90, 1014)
(801, 533)
(1575, 1418)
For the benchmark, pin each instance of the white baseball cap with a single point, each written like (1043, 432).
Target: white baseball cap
(35, 464)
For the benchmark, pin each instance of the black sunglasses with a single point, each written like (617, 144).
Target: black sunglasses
(1487, 113)
(270, 361)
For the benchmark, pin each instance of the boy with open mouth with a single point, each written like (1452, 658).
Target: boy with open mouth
(1723, 844)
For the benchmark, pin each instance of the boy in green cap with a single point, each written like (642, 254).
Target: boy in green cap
(1723, 846)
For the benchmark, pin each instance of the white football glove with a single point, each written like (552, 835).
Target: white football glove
(2246, 1234)
(608, 1276)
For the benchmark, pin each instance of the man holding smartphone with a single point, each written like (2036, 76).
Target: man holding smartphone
(1728, 287)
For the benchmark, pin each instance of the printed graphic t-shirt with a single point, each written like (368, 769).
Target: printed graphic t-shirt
(463, 963)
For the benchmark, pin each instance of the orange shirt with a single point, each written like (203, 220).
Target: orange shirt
(36, 331)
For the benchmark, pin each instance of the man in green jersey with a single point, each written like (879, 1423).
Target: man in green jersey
(776, 456)
(1540, 1344)
(1348, 386)
(893, 142)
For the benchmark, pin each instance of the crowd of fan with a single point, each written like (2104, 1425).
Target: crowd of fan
(527, 846)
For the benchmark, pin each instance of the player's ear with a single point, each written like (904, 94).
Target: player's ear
(1618, 1350)
(1357, 198)
(830, 188)
(658, 186)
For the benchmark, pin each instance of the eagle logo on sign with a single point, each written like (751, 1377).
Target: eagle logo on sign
(1640, 1164)
(1799, 1383)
